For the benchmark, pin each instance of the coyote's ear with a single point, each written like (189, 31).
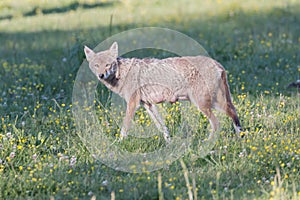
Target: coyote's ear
(114, 49)
(89, 53)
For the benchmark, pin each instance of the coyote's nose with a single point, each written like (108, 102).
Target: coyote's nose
(101, 76)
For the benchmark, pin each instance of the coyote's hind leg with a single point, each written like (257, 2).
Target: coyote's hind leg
(154, 114)
(205, 106)
(214, 122)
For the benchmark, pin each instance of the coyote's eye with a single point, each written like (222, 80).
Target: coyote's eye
(107, 65)
(96, 66)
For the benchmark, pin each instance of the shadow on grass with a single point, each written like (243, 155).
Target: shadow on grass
(73, 6)
(6, 17)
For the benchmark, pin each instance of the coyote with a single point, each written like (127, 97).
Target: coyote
(150, 81)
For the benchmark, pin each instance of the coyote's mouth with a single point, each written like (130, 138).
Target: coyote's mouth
(107, 75)
(101, 76)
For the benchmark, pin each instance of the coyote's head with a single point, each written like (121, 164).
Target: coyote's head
(104, 64)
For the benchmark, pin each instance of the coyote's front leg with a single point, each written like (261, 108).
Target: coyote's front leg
(132, 105)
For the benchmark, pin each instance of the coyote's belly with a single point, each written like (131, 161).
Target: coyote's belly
(158, 93)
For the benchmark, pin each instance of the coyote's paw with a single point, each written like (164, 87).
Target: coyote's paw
(239, 131)
(123, 134)
(167, 137)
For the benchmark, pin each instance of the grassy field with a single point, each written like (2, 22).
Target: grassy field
(41, 155)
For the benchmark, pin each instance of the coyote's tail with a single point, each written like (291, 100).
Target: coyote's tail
(230, 109)
(226, 88)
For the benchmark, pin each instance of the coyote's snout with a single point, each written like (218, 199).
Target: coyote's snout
(198, 79)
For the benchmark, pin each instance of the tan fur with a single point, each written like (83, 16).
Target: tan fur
(149, 81)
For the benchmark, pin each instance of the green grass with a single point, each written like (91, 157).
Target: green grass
(41, 49)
